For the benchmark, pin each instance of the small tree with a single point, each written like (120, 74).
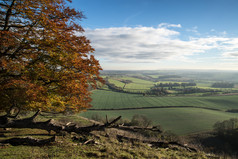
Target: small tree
(226, 127)
(45, 61)
(125, 83)
(140, 120)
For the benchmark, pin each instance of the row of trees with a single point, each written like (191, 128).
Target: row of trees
(169, 76)
(196, 90)
(157, 91)
(171, 85)
(223, 85)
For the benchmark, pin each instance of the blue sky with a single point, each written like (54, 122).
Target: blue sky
(162, 34)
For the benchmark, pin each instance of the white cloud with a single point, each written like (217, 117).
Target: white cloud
(167, 25)
(152, 44)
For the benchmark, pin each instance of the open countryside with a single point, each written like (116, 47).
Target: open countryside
(177, 112)
(143, 79)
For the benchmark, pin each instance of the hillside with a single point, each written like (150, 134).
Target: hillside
(98, 144)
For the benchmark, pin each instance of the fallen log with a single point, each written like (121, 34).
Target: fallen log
(9, 122)
(51, 124)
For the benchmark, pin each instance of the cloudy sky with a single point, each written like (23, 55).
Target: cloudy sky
(162, 34)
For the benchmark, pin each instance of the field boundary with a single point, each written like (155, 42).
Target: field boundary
(154, 107)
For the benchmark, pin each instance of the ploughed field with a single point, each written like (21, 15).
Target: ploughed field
(180, 115)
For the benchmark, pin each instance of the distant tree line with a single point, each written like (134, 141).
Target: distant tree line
(157, 91)
(223, 85)
(197, 90)
(171, 85)
(169, 76)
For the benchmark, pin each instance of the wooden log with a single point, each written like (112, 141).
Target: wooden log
(51, 124)
(48, 125)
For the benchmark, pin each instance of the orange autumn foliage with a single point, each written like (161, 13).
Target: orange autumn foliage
(45, 61)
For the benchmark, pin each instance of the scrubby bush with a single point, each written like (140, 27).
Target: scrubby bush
(227, 132)
(226, 127)
(140, 120)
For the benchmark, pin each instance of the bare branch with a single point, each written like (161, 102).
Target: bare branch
(4, 5)
(14, 26)
(34, 116)
(9, 11)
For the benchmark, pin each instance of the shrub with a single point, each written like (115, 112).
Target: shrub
(226, 127)
(140, 120)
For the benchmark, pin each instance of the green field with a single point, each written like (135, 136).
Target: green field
(116, 82)
(183, 114)
(178, 120)
(136, 85)
(181, 121)
(103, 99)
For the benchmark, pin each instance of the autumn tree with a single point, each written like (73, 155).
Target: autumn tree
(45, 61)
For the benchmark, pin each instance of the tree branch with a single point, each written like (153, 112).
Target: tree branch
(3, 5)
(9, 11)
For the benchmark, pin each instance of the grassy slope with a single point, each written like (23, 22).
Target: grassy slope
(65, 147)
(116, 82)
(107, 148)
(136, 85)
